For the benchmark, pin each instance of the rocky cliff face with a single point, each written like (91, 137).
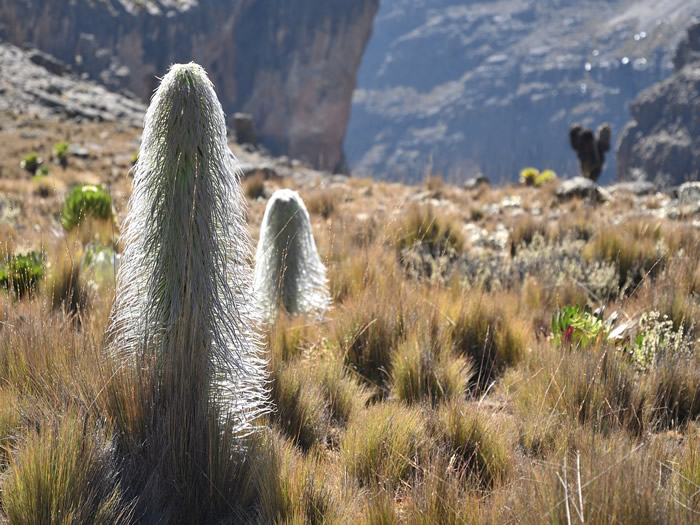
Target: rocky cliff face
(292, 65)
(461, 87)
(662, 143)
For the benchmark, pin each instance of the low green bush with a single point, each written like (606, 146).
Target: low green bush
(60, 151)
(31, 162)
(573, 325)
(85, 201)
(21, 273)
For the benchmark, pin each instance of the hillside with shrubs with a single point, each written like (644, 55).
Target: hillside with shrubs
(518, 354)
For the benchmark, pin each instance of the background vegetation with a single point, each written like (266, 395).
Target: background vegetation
(452, 382)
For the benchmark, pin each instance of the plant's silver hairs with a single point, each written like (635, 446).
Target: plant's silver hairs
(184, 284)
(288, 270)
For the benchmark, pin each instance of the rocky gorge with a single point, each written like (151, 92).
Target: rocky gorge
(662, 142)
(291, 66)
(461, 88)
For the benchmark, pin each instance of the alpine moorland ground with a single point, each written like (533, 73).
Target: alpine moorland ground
(494, 355)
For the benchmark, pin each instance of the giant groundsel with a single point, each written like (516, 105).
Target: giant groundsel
(184, 285)
(288, 271)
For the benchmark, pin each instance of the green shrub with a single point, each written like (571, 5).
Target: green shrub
(21, 273)
(545, 177)
(528, 176)
(533, 177)
(85, 201)
(657, 337)
(60, 151)
(574, 325)
(31, 162)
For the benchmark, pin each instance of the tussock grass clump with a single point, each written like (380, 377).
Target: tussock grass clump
(605, 481)
(65, 287)
(287, 339)
(474, 438)
(674, 390)
(324, 201)
(490, 335)
(10, 423)
(360, 269)
(303, 489)
(442, 494)
(424, 370)
(345, 394)
(422, 225)
(369, 330)
(302, 409)
(594, 387)
(254, 186)
(64, 473)
(381, 443)
(634, 249)
(525, 229)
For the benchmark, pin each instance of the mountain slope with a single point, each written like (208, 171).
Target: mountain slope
(292, 67)
(459, 88)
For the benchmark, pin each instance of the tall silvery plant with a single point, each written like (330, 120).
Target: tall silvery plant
(288, 270)
(183, 311)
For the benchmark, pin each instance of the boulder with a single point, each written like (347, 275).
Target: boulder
(244, 127)
(583, 188)
(689, 193)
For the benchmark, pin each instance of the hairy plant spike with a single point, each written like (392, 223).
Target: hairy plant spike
(288, 270)
(184, 286)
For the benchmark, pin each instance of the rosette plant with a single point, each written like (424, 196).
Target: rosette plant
(288, 271)
(183, 323)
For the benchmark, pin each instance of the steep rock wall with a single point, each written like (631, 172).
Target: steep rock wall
(662, 143)
(292, 65)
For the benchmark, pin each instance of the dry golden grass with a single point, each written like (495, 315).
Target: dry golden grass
(414, 400)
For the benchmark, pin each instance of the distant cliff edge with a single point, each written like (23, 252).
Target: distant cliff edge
(292, 65)
(662, 143)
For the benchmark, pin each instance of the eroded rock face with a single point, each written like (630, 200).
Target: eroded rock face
(461, 87)
(32, 83)
(662, 143)
(291, 65)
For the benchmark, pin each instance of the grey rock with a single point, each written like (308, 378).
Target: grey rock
(267, 171)
(475, 182)
(689, 193)
(78, 151)
(581, 187)
(640, 187)
(49, 63)
(663, 140)
(29, 88)
(244, 127)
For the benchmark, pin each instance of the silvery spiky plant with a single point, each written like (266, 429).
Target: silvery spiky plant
(288, 271)
(183, 309)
